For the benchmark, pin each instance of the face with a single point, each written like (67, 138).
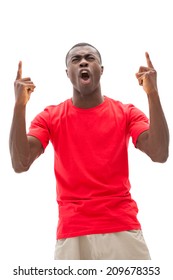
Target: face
(84, 69)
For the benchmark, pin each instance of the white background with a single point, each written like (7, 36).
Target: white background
(40, 33)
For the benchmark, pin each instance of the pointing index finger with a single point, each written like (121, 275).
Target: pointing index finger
(149, 63)
(19, 72)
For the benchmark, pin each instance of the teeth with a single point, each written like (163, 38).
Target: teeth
(84, 74)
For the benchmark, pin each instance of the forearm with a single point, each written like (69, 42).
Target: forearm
(158, 134)
(18, 142)
(155, 141)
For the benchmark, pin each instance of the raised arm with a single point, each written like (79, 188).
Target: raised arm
(23, 150)
(155, 141)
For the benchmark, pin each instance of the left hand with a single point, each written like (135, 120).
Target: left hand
(147, 77)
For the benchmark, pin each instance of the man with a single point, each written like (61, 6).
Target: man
(90, 135)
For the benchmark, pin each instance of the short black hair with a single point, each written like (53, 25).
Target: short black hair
(81, 45)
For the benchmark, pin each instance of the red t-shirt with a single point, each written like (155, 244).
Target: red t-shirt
(91, 164)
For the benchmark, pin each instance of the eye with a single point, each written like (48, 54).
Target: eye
(90, 58)
(75, 59)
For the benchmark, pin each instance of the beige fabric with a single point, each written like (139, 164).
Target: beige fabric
(125, 245)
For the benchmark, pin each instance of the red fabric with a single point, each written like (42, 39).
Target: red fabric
(91, 164)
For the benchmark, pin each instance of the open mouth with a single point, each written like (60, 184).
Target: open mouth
(84, 75)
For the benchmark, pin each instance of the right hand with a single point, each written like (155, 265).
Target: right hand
(23, 87)
(147, 77)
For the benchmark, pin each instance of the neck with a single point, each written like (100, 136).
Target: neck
(87, 101)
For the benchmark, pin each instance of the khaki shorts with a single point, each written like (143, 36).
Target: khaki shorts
(125, 245)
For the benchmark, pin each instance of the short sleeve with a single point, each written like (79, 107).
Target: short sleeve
(138, 122)
(40, 128)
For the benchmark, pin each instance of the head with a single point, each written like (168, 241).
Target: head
(84, 67)
(81, 45)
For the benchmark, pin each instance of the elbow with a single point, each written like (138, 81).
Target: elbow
(20, 168)
(160, 158)
(19, 164)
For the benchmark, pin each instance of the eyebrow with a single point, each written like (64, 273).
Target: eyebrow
(85, 55)
(76, 56)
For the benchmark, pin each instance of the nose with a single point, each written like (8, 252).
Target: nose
(83, 63)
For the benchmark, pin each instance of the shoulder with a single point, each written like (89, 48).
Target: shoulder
(126, 107)
(127, 110)
(59, 108)
(50, 114)
(52, 111)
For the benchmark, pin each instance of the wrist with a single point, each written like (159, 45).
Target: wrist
(153, 94)
(19, 107)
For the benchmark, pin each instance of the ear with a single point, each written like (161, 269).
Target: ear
(102, 68)
(66, 72)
